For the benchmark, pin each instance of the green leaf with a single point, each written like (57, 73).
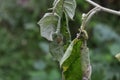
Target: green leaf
(65, 32)
(71, 62)
(56, 46)
(67, 53)
(48, 25)
(76, 63)
(68, 6)
(67, 29)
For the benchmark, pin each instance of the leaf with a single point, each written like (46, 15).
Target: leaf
(65, 32)
(56, 46)
(70, 63)
(67, 29)
(118, 56)
(58, 7)
(85, 60)
(68, 6)
(48, 25)
(55, 2)
(67, 53)
(76, 63)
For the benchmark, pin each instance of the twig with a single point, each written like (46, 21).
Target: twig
(86, 17)
(95, 10)
(103, 8)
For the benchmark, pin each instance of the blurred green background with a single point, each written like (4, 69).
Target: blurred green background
(24, 54)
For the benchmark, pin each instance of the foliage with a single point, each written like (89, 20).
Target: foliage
(75, 59)
(69, 61)
(24, 54)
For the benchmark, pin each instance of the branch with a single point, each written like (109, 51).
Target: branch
(86, 17)
(103, 8)
(91, 13)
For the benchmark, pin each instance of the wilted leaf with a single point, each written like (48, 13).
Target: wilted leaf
(71, 63)
(68, 5)
(75, 62)
(67, 53)
(56, 46)
(48, 25)
(58, 6)
(118, 56)
(55, 2)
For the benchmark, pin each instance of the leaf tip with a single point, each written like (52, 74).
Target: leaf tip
(117, 56)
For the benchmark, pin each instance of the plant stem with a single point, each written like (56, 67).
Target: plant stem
(103, 8)
(67, 25)
(59, 25)
(86, 17)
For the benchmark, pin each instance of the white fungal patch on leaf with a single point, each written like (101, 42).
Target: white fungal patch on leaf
(48, 25)
(68, 6)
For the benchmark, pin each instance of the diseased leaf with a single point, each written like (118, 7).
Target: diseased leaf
(48, 25)
(65, 32)
(67, 53)
(85, 60)
(71, 62)
(58, 7)
(55, 2)
(68, 6)
(118, 56)
(56, 46)
(76, 63)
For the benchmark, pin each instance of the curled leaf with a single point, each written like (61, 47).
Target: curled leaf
(48, 25)
(56, 46)
(55, 2)
(67, 53)
(58, 7)
(71, 63)
(118, 56)
(76, 62)
(68, 6)
(85, 61)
